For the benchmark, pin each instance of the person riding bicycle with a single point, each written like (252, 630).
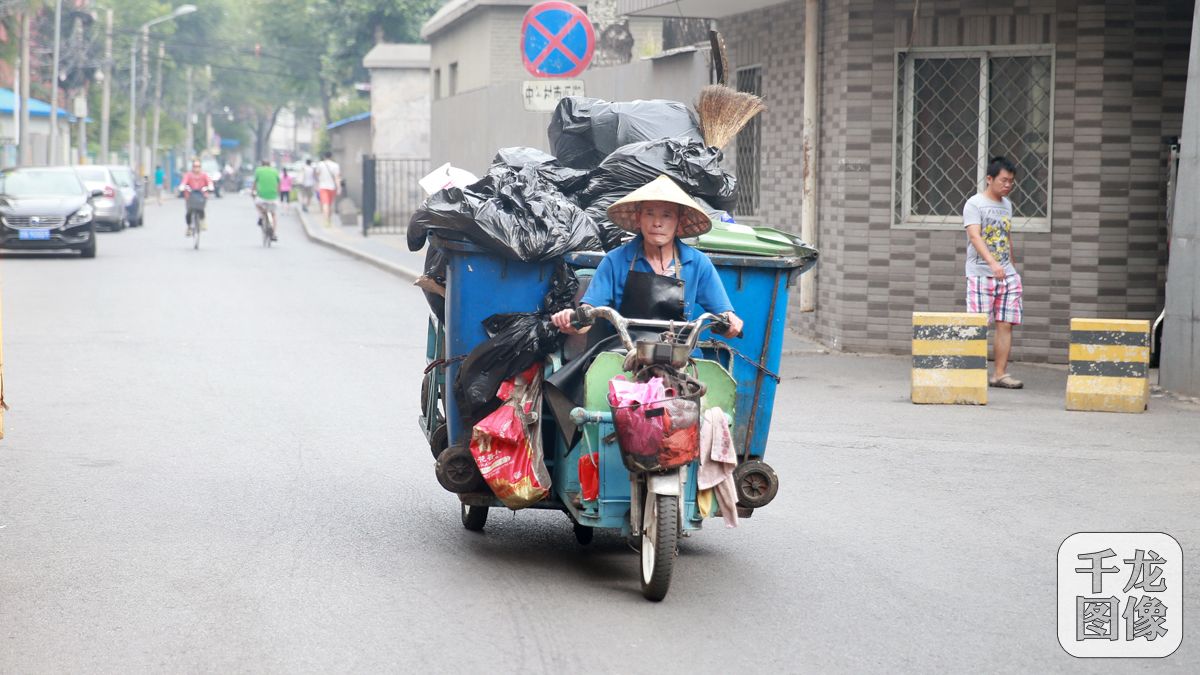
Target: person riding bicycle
(266, 193)
(195, 181)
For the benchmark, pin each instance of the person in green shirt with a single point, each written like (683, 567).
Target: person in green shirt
(266, 193)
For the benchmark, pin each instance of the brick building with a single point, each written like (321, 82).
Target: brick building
(1087, 97)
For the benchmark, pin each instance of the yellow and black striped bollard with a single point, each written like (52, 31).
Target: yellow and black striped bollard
(1110, 365)
(949, 358)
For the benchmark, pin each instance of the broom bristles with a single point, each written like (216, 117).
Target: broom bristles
(723, 112)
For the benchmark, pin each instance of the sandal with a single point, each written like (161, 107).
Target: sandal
(1006, 381)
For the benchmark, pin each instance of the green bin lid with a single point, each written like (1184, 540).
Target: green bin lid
(748, 240)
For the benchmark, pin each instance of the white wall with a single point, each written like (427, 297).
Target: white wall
(400, 110)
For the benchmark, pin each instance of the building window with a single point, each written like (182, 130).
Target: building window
(437, 83)
(955, 110)
(453, 77)
(749, 144)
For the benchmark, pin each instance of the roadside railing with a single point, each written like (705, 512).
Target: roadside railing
(391, 192)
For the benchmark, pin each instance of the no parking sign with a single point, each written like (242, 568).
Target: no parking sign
(557, 40)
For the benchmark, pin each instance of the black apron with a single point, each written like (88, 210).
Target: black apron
(646, 296)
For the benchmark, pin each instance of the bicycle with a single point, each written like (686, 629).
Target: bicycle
(267, 218)
(195, 216)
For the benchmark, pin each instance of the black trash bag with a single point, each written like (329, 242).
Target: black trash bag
(693, 165)
(583, 131)
(566, 179)
(514, 213)
(518, 340)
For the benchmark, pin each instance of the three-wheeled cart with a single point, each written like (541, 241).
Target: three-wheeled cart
(741, 376)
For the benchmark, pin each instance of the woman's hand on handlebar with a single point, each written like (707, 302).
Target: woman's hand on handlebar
(735, 325)
(562, 320)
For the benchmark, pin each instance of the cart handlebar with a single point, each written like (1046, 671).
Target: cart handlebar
(586, 315)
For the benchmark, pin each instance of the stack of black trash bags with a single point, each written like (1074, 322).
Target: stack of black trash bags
(533, 206)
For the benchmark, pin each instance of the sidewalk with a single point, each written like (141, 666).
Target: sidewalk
(388, 252)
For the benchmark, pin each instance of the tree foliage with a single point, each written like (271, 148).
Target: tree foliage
(249, 59)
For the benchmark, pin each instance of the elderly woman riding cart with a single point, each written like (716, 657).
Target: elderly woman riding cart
(658, 404)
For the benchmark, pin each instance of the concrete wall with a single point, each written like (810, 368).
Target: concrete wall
(400, 110)
(469, 128)
(1119, 81)
(350, 142)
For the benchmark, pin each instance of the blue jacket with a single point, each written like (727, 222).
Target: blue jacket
(702, 288)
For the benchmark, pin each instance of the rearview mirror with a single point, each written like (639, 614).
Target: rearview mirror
(97, 193)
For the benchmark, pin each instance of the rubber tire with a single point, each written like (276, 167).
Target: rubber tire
(660, 547)
(89, 249)
(474, 517)
(755, 483)
(457, 472)
(439, 440)
(584, 534)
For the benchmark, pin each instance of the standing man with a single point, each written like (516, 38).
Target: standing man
(308, 181)
(993, 285)
(266, 192)
(329, 176)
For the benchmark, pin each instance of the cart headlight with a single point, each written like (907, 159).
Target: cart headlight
(81, 216)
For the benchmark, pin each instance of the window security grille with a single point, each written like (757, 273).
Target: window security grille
(749, 146)
(954, 111)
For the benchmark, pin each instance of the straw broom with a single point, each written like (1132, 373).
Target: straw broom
(724, 111)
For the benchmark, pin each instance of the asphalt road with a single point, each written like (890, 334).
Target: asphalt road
(212, 464)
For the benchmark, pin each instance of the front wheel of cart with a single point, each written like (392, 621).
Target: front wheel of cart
(660, 536)
(584, 534)
(474, 517)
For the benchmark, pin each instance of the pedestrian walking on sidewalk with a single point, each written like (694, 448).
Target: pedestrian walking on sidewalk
(329, 177)
(285, 190)
(993, 285)
(160, 184)
(308, 182)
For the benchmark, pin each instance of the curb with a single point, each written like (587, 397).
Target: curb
(314, 235)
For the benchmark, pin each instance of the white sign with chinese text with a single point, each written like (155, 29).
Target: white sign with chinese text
(544, 95)
(1120, 594)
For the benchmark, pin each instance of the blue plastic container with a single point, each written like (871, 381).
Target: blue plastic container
(478, 285)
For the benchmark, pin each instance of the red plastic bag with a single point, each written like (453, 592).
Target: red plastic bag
(589, 476)
(507, 444)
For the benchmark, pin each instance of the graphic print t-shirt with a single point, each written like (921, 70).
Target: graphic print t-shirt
(995, 223)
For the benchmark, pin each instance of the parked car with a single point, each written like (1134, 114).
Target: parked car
(47, 209)
(110, 205)
(134, 191)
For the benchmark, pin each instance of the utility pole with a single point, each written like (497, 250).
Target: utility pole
(105, 96)
(1180, 371)
(157, 104)
(80, 102)
(189, 135)
(23, 133)
(133, 158)
(145, 84)
(54, 84)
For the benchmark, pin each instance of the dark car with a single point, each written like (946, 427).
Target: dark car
(134, 192)
(46, 209)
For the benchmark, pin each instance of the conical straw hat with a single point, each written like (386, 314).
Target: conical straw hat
(693, 221)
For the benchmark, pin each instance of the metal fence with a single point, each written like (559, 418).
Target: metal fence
(391, 193)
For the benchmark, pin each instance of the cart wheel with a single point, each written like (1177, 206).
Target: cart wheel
(457, 472)
(756, 484)
(584, 534)
(660, 536)
(474, 517)
(438, 440)
(426, 385)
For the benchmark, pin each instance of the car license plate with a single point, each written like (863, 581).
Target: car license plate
(34, 233)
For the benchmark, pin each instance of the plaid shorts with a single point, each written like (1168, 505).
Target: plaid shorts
(999, 299)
